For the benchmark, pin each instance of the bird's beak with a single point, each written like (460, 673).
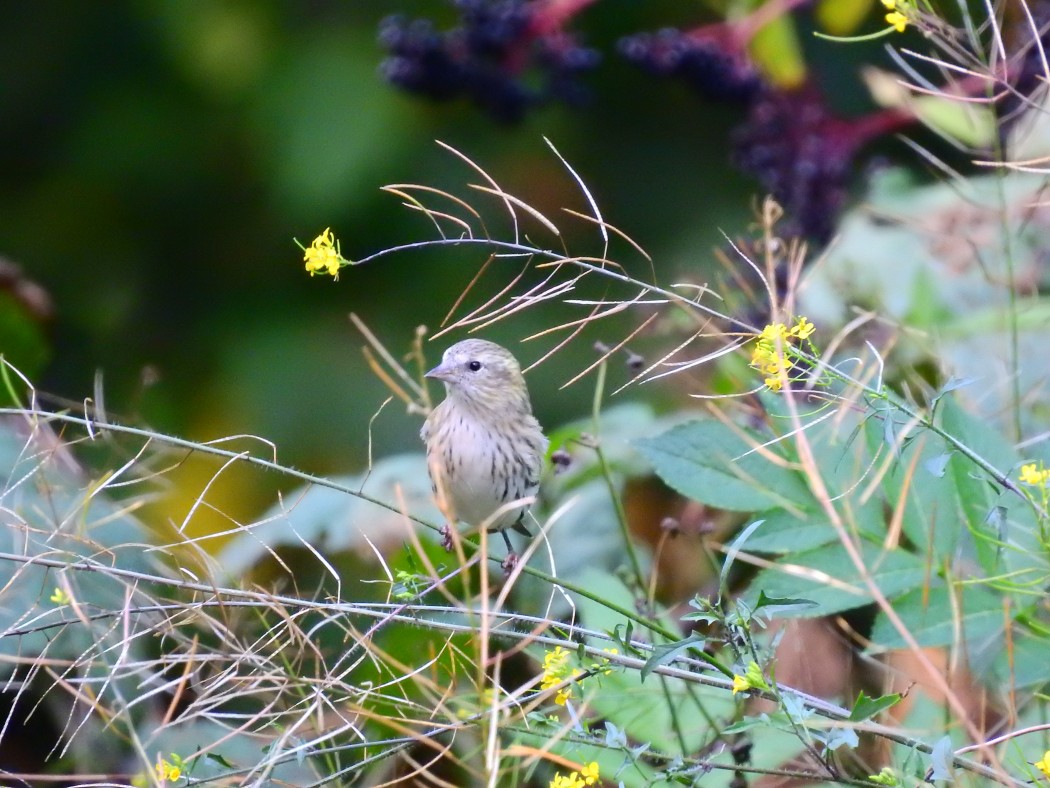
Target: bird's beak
(440, 372)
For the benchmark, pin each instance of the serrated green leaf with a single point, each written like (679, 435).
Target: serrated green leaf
(781, 604)
(865, 708)
(935, 619)
(785, 532)
(984, 438)
(711, 462)
(1024, 664)
(828, 577)
(931, 505)
(666, 653)
(1009, 524)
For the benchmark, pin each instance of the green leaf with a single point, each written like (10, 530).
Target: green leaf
(968, 123)
(842, 19)
(711, 462)
(834, 738)
(666, 653)
(1008, 524)
(865, 708)
(978, 434)
(937, 464)
(941, 759)
(828, 577)
(775, 47)
(1024, 664)
(931, 504)
(934, 619)
(220, 759)
(781, 605)
(785, 532)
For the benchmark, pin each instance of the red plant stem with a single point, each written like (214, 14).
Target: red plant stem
(555, 13)
(763, 15)
(876, 124)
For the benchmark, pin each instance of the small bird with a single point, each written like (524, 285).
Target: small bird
(485, 449)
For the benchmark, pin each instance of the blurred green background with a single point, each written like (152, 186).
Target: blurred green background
(158, 158)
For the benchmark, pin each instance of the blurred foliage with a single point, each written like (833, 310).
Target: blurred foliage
(159, 158)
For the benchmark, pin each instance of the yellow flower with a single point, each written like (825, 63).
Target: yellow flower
(322, 256)
(898, 17)
(768, 356)
(887, 776)
(589, 773)
(803, 329)
(752, 679)
(775, 364)
(167, 771)
(1044, 765)
(555, 660)
(556, 669)
(571, 781)
(774, 331)
(755, 679)
(1035, 474)
(897, 20)
(60, 597)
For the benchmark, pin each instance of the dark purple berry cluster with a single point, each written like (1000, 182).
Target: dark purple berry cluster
(711, 64)
(803, 154)
(506, 56)
(797, 151)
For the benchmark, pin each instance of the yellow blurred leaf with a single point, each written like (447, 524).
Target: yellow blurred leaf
(775, 48)
(966, 122)
(842, 17)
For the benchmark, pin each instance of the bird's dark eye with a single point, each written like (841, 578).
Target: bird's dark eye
(474, 366)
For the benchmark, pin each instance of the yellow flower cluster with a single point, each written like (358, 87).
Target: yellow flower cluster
(323, 257)
(1044, 765)
(556, 669)
(768, 356)
(168, 771)
(897, 17)
(1035, 475)
(885, 777)
(588, 775)
(752, 679)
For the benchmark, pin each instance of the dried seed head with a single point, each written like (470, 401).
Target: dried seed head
(561, 460)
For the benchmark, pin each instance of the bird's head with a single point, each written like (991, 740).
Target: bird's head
(482, 375)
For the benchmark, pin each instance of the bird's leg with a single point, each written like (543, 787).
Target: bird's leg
(512, 558)
(446, 538)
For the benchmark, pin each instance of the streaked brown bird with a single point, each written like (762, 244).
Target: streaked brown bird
(485, 449)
